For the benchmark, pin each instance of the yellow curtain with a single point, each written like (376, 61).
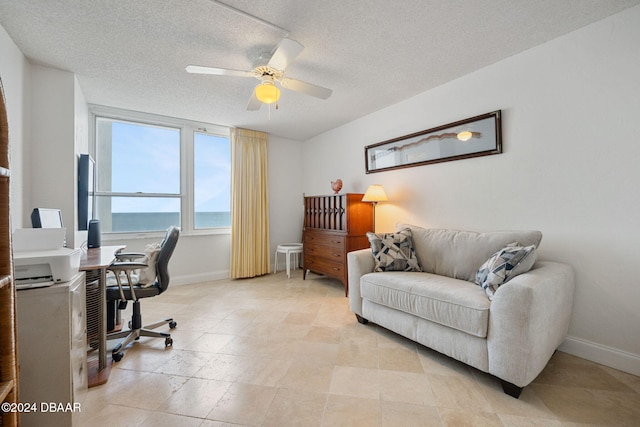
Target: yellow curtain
(249, 204)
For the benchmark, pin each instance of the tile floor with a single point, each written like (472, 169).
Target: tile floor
(273, 351)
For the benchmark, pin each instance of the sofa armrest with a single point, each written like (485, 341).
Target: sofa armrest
(529, 318)
(359, 263)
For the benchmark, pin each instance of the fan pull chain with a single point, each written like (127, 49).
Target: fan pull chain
(270, 109)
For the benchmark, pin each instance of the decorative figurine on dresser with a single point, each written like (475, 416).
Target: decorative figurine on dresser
(333, 226)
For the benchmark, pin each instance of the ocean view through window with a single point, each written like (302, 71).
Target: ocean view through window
(151, 174)
(153, 221)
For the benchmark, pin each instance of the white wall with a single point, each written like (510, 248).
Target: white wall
(58, 133)
(570, 168)
(51, 163)
(285, 193)
(14, 72)
(197, 258)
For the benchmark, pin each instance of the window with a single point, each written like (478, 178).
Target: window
(211, 181)
(153, 172)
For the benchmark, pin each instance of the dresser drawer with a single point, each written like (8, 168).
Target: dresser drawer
(322, 251)
(325, 266)
(327, 239)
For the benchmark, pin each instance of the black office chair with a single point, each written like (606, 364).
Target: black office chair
(124, 292)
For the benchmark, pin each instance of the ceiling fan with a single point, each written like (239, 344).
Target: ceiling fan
(269, 74)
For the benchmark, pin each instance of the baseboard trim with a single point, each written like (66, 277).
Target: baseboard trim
(608, 356)
(198, 278)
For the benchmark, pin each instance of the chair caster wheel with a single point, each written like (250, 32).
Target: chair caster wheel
(118, 356)
(172, 325)
(168, 342)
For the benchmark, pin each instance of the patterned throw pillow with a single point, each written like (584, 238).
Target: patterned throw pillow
(504, 265)
(394, 251)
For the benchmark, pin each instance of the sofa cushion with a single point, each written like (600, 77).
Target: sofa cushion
(394, 251)
(505, 264)
(454, 303)
(459, 254)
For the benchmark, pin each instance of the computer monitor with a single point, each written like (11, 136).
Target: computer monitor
(46, 218)
(86, 190)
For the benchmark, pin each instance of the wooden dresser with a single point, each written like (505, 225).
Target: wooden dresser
(333, 226)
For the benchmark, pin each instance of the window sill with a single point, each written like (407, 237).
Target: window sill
(114, 237)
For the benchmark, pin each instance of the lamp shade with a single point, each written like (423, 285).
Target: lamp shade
(267, 92)
(375, 193)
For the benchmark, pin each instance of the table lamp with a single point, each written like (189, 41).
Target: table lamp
(374, 194)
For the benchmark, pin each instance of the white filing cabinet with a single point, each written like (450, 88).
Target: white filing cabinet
(52, 352)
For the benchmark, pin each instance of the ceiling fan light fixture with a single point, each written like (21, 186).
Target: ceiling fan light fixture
(267, 92)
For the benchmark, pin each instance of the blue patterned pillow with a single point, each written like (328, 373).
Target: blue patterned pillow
(504, 265)
(394, 251)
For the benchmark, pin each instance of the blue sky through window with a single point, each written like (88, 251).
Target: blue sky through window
(212, 173)
(146, 159)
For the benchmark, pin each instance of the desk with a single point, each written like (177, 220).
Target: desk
(95, 262)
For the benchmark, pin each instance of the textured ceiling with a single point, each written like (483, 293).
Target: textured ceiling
(372, 53)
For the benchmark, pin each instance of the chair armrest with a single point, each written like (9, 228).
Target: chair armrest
(128, 265)
(359, 263)
(127, 268)
(529, 318)
(130, 256)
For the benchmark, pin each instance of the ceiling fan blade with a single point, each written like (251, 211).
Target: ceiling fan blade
(286, 52)
(254, 103)
(197, 69)
(306, 88)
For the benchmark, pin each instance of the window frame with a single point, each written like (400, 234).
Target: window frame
(187, 129)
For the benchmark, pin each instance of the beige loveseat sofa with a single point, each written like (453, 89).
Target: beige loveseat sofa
(511, 336)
